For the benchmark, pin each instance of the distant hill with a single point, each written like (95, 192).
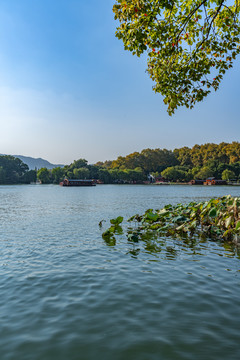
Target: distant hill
(36, 163)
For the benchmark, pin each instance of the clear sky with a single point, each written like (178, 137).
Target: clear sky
(68, 90)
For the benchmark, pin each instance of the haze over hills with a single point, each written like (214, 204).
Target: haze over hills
(38, 163)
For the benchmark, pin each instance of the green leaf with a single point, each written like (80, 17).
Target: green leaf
(133, 237)
(117, 221)
(151, 216)
(213, 212)
(181, 228)
(227, 233)
(179, 219)
(237, 225)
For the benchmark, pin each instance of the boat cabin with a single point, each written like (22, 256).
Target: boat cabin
(196, 182)
(78, 182)
(213, 181)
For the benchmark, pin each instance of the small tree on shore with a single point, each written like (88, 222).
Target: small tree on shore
(228, 175)
(44, 175)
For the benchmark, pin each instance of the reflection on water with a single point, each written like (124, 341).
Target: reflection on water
(170, 249)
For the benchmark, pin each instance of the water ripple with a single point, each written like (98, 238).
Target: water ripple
(66, 295)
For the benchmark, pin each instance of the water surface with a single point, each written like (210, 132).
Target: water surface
(65, 294)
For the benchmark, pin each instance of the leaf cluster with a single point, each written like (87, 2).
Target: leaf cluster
(114, 229)
(216, 219)
(190, 44)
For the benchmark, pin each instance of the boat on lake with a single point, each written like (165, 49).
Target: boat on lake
(213, 181)
(208, 181)
(78, 182)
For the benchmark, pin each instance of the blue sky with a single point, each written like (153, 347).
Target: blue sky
(68, 90)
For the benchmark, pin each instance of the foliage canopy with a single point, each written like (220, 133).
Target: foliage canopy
(182, 164)
(190, 43)
(14, 171)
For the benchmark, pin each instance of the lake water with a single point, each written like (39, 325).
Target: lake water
(66, 295)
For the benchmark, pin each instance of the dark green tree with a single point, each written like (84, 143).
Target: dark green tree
(81, 163)
(29, 176)
(174, 174)
(105, 176)
(81, 173)
(13, 169)
(205, 173)
(228, 175)
(44, 175)
(2, 175)
(58, 174)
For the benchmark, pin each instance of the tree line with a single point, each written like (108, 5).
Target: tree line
(221, 161)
